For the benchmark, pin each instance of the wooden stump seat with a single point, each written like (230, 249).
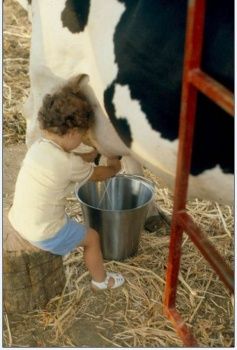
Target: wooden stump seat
(31, 277)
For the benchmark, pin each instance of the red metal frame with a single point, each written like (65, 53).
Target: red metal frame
(194, 80)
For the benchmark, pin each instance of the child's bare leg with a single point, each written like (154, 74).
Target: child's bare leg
(93, 256)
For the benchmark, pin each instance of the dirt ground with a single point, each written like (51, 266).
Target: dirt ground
(30, 329)
(27, 330)
(93, 327)
(133, 316)
(12, 158)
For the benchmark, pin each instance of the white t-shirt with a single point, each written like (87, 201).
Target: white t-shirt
(45, 179)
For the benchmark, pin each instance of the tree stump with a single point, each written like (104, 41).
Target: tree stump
(31, 277)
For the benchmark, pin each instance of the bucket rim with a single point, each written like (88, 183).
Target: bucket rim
(147, 183)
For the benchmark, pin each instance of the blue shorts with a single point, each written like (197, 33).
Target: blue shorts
(65, 240)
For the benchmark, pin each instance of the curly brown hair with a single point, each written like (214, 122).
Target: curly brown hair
(65, 110)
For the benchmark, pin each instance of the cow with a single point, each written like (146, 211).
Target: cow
(132, 53)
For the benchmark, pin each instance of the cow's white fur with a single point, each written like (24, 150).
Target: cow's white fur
(101, 33)
(57, 54)
(142, 131)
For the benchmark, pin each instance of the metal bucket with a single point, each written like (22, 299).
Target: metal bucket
(117, 209)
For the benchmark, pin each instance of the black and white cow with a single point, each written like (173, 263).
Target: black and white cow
(132, 51)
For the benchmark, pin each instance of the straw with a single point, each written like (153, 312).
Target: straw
(16, 43)
(132, 316)
(8, 330)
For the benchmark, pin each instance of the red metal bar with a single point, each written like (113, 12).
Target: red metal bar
(192, 60)
(193, 79)
(181, 328)
(207, 249)
(212, 89)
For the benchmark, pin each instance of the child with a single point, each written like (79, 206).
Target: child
(47, 174)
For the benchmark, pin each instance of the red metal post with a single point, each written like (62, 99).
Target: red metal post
(194, 34)
(212, 89)
(193, 80)
(181, 328)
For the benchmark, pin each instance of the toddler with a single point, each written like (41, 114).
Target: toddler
(49, 172)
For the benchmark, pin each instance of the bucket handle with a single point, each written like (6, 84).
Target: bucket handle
(140, 177)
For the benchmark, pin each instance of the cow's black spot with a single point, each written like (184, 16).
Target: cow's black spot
(146, 54)
(214, 134)
(213, 140)
(75, 15)
(218, 48)
(121, 124)
(149, 48)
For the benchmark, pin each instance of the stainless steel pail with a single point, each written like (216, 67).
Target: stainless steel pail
(117, 209)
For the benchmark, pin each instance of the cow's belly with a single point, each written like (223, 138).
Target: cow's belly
(212, 184)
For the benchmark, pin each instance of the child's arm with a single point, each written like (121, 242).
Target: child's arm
(101, 173)
(88, 157)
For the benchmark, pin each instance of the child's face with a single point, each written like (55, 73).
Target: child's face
(73, 139)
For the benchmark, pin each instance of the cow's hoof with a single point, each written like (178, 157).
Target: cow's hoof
(153, 223)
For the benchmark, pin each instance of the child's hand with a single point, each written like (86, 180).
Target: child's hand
(102, 173)
(115, 163)
(89, 157)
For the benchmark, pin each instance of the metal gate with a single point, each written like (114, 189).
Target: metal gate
(194, 80)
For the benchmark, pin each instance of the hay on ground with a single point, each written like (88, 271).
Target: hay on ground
(132, 316)
(16, 45)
